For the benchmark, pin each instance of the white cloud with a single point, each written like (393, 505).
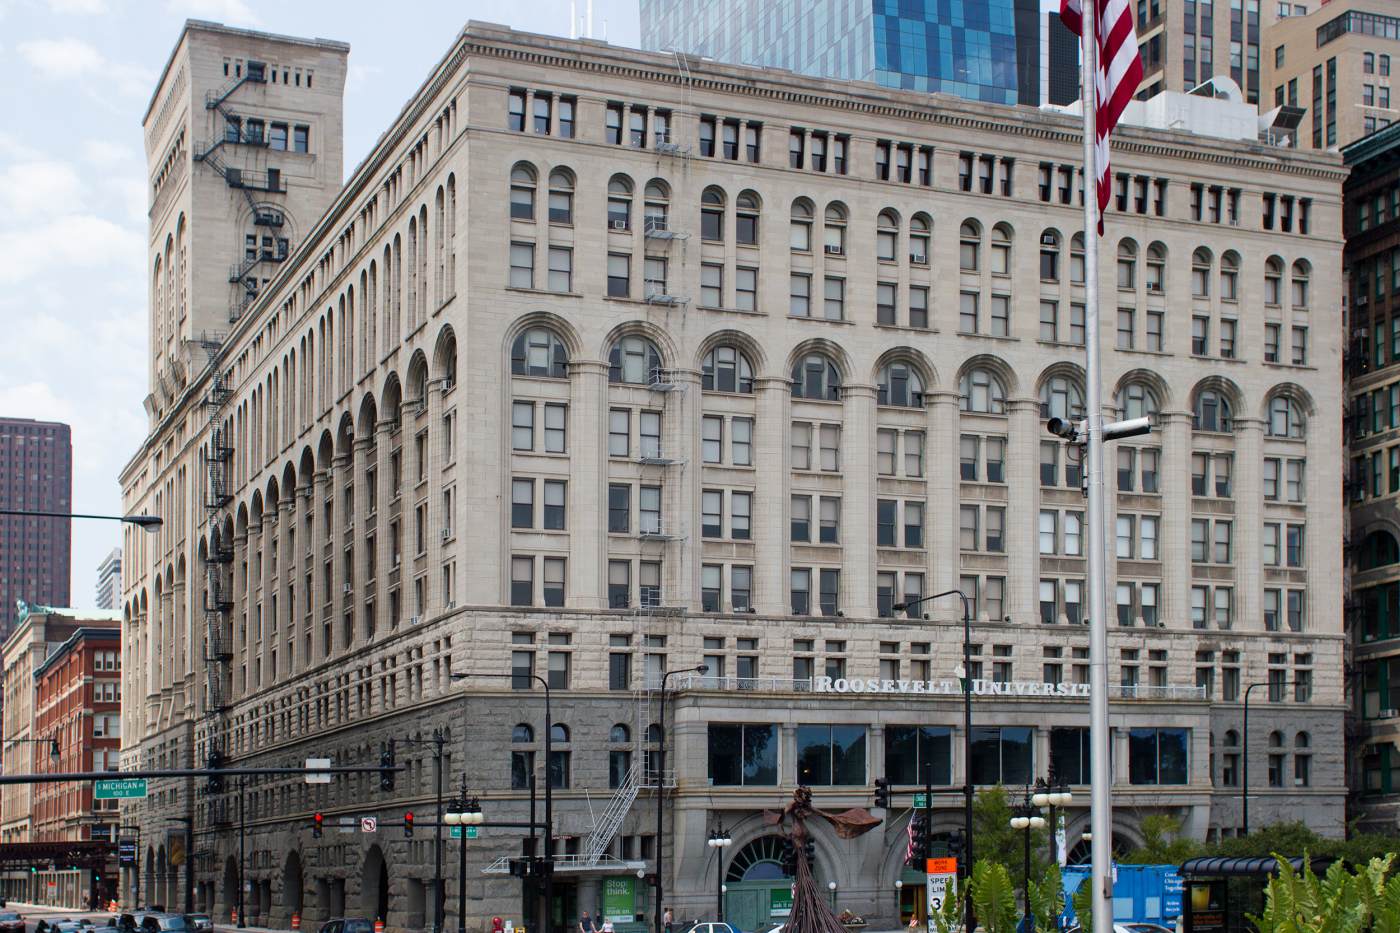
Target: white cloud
(61, 58)
(358, 76)
(103, 152)
(32, 189)
(66, 244)
(231, 12)
(87, 7)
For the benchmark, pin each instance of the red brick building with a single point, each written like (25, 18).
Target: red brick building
(77, 701)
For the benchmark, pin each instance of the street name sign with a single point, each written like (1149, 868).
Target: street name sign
(472, 832)
(120, 789)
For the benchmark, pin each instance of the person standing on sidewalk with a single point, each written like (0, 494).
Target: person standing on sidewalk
(668, 921)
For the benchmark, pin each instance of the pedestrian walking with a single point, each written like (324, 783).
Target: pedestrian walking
(585, 924)
(668, 921)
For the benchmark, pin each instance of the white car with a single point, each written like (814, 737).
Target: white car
(717, 927)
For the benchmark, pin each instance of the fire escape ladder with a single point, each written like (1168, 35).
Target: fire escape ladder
(611, 821)
(218, 554)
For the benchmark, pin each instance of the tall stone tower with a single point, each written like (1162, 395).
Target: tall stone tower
(245, 152)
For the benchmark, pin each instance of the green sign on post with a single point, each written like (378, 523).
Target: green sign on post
(121, 789)
(472, 832)
(920, 801)
(619, 899)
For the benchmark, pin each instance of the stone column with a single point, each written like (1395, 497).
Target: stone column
(238, 615)
(366, 523)
(325, 484)
(1174, 546)
(858, 448)
(587, 444)
(681, 489)
(943, 491)
(1023, 492)
(262, 634)
(384, 557)
(432, 585)
(771, 505)
(288, 566)
(1249, 499)
(306, 558)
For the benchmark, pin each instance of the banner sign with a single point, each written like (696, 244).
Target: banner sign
(980, 687)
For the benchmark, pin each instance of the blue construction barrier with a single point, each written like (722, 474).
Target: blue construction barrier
(1141, 893)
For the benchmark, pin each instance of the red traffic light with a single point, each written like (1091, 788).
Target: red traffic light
(319, 819)
(408, 824)
(408, 817)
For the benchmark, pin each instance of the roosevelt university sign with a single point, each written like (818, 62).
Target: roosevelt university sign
(1013, 688)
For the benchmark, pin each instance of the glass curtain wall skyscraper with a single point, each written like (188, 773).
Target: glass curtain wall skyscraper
(987, 50)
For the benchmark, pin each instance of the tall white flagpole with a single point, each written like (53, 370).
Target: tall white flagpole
(1101, 774)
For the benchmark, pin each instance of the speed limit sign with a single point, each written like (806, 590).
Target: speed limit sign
(942, 885)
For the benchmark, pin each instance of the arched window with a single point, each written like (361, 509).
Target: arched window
(712, 214)
(1061, 397)
(1001, 250)
(1285, 417)
(1156, 269)
(1273, 281)
(558, 733)
(1378, 549)
(981, 392)
(522, 733)
(1229, 277)
(657, 204)
(1200, 273)
(1137, 400)
(1127, 264)
(746, 208)
(887, 236)
(1276, 739)
(633, 360)
(1212, 412)
(620, 203)
(522, 192)
(727, 369)
(815, 376)
(969, 246)
(539, 352)
(620, 733)
(800, 239)
(901, 386)
(920, 232)
(655, 733)
(1301, 272)
(561, 197)
(834, 230)
(1050, 256)
(1232, 738)
(1076, 259)
(1302, 740)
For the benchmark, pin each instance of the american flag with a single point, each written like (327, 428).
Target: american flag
(1120, 73)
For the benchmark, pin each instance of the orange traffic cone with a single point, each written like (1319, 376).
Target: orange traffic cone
(379, 925)
(296, 921)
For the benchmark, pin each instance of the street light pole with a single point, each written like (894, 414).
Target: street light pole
(661, 790)
(148, 522)
(548, 789)
(719, 841)
(1027, 818)
(439, 899)
(462, 813)
(1244, 782)
(242, 855)
(965, 866)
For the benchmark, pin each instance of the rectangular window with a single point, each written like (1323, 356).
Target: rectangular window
(619, 275)
(554, 581)
(619, 432)
(830, 580)
(918, 306)
(619, 508)
(554, 504)
(741, 442)
(712, 438)
(831, 755)
(800, 295)
(522, 426)
(914, 454)
(835, 299)
(830, 447)
(561, 269)
(522, 265)
(830, 529)
(711, 285)
(916, 755)
(801, 591)
(801, 522)
(746, 288)
(522, 588)
(1001, 755)
(1158, 756)
(744, 755)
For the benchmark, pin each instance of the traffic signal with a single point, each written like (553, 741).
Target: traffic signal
(408, 825)
(386, 763)
(215, 782)
(916, 852)
(882, 793)
(955, 844)
(789, 860)
(317, 823)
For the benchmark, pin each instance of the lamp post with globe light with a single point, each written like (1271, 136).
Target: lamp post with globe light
(463, 812)
(719, 841)
(1027, 817)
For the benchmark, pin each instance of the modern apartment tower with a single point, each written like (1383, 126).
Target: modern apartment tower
(36, 475)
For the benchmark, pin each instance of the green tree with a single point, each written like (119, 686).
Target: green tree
(1047, 900)
(997, 841)
(1341, 901)
(1162, 843)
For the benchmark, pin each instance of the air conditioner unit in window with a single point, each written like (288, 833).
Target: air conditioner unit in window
(414, 620)
(619, 225)
(451, 604)
(833, 250)
(918, 258)
(1389, 713)
(1049, 239)
(446, 533)
(347, 589)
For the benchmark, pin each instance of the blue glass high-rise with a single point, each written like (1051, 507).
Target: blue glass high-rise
(985, 50)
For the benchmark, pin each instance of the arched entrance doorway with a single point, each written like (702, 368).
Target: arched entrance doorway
(292, 882)
(148, 893)
(230, 893)
(374, 885)
(759, 890)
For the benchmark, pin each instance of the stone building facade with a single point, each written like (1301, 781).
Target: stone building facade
(603, 365)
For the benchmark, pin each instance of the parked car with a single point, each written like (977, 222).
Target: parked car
(347, 925)
(715, 927)
(11, 922)
(161, 923)
(196, 922)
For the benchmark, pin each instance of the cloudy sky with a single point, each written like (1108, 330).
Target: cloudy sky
(75, 78)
